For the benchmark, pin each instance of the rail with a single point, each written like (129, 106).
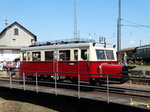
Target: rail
(140, 73)
(23, 83)
(140, 77)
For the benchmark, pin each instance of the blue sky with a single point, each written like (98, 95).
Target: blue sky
(53, 19)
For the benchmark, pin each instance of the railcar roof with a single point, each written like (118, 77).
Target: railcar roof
(133, 48)
(63, 46)
(145, 46)
(128, 49)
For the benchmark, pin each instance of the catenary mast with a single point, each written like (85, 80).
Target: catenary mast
(75, 22)
(119, 28)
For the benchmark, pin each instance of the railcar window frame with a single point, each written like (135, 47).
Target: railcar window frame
(148, 50)
(84, 54)
(100, 54)
(28, 56)
(37, 56)
(76, 54)
(103, 55)
(138, 51)
(49, 56)
(23, 56)
(65, 55)
(109, 54)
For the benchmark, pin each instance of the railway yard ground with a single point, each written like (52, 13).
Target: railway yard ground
(140, 67)
(133, 95)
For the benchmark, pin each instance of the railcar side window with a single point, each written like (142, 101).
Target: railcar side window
(109, 55)
(24, 56)
(142, 51)
(64, 55)
(75, 54)
(100, 54)
(84, 54)
(148, 50)
(139, 51)
(36, 56)
(49, 55)
(28, 56)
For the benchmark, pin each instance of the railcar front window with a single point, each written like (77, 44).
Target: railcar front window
(49, 55)
(100, 54)
(105, 54)
(64, 55)
(109, 55)
(36, 56)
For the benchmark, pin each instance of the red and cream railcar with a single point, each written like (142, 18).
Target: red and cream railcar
(71, 59)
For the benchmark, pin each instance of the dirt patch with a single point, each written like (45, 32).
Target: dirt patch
(16, 106)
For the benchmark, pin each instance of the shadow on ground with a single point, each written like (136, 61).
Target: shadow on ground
(60, 103)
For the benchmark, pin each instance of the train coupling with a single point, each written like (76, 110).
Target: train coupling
(131, 67)
(126, 68)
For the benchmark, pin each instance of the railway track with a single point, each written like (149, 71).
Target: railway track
(127, 91)
(140, 81)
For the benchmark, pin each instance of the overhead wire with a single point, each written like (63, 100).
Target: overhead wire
(134, 24)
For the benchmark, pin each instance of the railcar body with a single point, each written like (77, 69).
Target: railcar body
(143, 53)
(137, 55)
(68, 60)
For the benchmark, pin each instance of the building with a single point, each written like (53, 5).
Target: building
(12, 39)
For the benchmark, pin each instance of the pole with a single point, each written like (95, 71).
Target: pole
(78, 77)
(119, 28)
(56, 83)
(56, 77)
(108, 89)
(78, 85)
(24, 82)
(10, 80)
(36, 83)
(75, 21)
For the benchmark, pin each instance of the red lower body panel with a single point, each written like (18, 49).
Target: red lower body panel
(86, 69)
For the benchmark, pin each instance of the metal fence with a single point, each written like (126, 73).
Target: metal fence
(103, 92)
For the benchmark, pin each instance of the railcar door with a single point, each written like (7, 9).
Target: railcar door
(84, 64)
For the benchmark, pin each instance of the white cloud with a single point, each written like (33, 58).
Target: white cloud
(131, 42)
